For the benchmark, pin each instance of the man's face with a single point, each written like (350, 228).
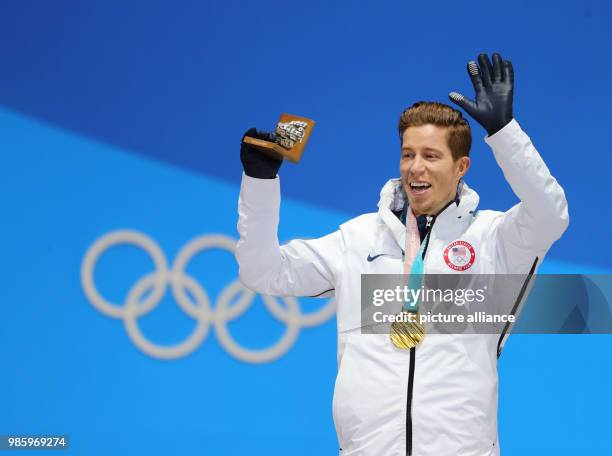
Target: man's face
(429, 173)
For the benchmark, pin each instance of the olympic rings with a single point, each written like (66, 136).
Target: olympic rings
(200, 310)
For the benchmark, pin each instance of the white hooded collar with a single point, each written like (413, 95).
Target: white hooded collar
(391, 232)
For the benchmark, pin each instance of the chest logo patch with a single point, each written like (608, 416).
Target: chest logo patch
(459, 255)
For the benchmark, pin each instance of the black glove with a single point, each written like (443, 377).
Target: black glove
(494, 86)
(256, 163)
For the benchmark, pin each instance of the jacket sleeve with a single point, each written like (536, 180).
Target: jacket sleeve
(300, 267)
(529, 228)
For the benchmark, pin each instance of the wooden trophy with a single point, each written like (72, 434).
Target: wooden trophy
(292, 133)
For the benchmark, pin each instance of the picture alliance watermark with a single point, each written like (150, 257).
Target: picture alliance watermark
(488, 303)
(429, 317)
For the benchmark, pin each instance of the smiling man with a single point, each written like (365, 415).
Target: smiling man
(435, 155)
(436, 142)
(437, 396)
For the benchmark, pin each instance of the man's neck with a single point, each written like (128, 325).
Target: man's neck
(435, 212)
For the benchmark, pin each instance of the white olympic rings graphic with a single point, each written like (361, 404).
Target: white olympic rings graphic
(200, 310)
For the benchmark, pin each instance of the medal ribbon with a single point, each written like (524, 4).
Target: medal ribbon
(413, 258)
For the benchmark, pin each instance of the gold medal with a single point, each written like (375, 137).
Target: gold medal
(408, 332)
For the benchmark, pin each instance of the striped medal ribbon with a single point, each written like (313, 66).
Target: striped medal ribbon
(407, 331)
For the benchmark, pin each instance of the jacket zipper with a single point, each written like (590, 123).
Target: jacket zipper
(429, 227)
(518, 301)
(429, 221)
(409, 403)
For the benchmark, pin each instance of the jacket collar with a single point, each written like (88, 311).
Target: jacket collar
(391, 232)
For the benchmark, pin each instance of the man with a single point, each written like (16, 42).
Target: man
(440, 397)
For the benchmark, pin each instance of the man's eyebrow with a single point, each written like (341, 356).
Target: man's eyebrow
(431, 149)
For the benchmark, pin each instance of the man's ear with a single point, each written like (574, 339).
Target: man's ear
(463, 164)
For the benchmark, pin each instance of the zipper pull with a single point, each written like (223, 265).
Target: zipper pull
(429, 222)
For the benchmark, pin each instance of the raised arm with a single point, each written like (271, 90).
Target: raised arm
(298, 268)
(527, 230)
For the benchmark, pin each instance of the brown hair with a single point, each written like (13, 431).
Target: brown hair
(459, 135)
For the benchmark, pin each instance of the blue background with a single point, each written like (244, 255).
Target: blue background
(128, 115)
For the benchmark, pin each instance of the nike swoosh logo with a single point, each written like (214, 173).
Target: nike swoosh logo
(372, 258)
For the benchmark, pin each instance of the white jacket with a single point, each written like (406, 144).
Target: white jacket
(439, 398)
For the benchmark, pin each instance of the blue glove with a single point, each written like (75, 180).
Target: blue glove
(494, 86)
(256, 163)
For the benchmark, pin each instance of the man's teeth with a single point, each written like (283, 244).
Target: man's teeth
(419, 185)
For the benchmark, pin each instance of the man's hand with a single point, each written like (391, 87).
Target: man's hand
(494, 86)
(256, 163)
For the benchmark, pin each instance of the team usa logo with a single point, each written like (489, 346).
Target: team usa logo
(459, 255)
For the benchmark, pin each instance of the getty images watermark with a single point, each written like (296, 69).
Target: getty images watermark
(488, 303)
(413, 299)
